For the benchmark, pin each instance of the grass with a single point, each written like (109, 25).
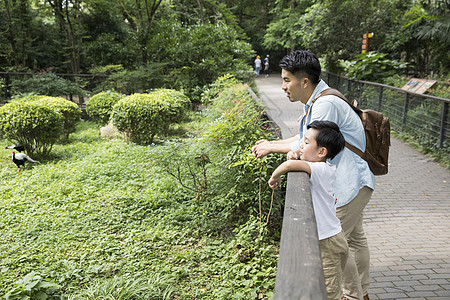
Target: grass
(102, 220)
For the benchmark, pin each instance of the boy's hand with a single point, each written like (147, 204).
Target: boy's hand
(275, 182)
(293, 155)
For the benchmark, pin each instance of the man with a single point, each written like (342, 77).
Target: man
(354, 182)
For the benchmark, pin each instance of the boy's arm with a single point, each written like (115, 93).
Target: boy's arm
(288, 166)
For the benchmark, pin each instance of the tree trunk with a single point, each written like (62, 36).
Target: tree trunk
(72, 28)
(10, 36)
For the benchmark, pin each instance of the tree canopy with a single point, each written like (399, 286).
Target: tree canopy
(77, 36)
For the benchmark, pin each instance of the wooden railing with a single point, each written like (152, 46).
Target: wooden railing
(300, 272)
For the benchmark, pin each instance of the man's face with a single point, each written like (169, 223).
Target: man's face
(294, 87)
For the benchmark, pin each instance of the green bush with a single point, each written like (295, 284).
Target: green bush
(31, 124)
(67, 109)
(136, 81)
(99, 107)
(142, 116)
(374, 66)
(47, 84)
(218, 167)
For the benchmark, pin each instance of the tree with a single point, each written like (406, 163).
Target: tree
(17, 30)
(68, 16)
(431, 29)
(139, 14)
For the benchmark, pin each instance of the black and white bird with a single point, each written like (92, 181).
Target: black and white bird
(17, 147)
(20, 158)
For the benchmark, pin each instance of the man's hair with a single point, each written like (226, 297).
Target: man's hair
(302, 63)
(329, 136)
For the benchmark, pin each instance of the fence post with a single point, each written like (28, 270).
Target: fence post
(6, 87)
(361, 88)
(405, 111)
(443, 124)
(380, 98)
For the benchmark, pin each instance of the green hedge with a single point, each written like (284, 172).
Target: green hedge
(99, 107)
(142, 116)
(31, 124)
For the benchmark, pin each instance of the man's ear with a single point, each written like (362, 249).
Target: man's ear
(305, 82)
(323, 152)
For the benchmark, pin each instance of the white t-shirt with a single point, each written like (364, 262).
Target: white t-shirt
(324, 202)
(258, 63)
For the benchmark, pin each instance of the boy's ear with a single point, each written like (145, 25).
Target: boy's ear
(323, 152)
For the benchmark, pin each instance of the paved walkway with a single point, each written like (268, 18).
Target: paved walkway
(407, 221)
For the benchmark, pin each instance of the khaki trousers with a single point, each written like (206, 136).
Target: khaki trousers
(334, 253)
(355, 278)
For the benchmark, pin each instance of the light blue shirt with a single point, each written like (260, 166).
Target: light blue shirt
(352, 172)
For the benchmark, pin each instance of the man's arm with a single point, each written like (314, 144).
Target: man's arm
(264, 147)
(288, 166)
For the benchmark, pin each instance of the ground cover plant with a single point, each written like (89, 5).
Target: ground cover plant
(108, 219)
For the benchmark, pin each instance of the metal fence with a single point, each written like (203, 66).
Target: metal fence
(423, 117)
(9, 83)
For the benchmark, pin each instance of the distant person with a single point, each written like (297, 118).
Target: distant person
(257, 65)
(323, 140)
(266, 65)
(354, 184)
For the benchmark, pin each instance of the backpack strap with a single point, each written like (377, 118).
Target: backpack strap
(334, 92)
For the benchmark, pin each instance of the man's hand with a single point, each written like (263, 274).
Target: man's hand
(261, 149)
(293, 155)
(275, 182)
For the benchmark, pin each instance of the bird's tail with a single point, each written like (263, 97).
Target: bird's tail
(30, 159)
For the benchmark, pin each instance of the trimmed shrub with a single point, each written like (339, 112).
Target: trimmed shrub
(67, 109)
(99, 107)
(142, 116)
(33, 124)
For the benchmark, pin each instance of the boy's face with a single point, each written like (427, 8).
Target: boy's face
(309, 151)
(294, 87)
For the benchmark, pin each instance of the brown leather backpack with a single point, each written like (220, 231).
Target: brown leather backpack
(377, 129)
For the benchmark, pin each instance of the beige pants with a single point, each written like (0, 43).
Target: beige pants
(356, 278)
(334, 253)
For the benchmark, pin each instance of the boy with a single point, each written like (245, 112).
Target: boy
(323, 140)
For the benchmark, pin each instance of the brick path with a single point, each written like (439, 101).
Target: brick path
(407, 221)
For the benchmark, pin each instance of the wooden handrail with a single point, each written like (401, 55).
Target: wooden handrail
(299, 273)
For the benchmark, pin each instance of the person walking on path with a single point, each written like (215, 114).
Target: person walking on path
(323, 140)
(354, 182)
(257, 65)
(266, 65)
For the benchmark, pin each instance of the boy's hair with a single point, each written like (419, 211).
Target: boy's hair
(302, 63)
(329, 136)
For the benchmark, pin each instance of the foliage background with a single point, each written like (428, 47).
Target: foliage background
(186, 44)
(101, 216)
